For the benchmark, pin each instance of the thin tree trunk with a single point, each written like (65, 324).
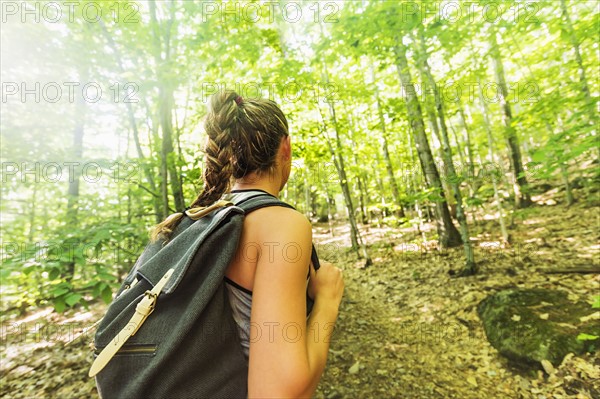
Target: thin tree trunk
(386, 154)
(459, 148)
(468, 149)
(164, 191)
(361, 190)
(338, 158)
(564, 168)
(412, 187)
(565, 175)
(136, 136)
(470, 267)
(32, 208)
(466, 174)
(522, 198)
(72, 219)
(338, 161)
(434, 127)
(488, 130)
(329, 213)
(363, 195)
(447, 232)
(361, 200)
(307, 200)
(162, 53)
(381, 188)
(167, 151)
(568, 27)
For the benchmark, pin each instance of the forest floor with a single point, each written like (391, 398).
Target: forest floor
(407, 328)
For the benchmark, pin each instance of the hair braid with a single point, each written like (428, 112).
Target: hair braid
(218, 169)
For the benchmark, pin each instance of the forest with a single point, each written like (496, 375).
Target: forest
(446, 153)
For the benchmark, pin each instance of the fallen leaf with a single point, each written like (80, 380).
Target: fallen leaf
(593, 316)
(548, 367)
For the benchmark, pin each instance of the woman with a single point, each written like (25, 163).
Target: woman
(248, 142)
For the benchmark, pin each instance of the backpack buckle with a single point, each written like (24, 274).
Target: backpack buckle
(142, 311)
(145, 308)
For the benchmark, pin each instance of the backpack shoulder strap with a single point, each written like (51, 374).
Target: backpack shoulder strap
(253, 200)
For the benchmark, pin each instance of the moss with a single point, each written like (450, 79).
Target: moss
(528, 338)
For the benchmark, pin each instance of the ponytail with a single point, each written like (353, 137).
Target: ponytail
(243, 136)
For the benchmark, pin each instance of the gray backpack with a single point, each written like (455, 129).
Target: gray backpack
(188, 346)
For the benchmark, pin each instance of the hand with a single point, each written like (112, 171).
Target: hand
(326, 285)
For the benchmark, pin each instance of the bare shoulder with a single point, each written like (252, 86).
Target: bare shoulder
(279, 221)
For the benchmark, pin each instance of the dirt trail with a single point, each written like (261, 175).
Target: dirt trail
(395, 339)
(414, 331)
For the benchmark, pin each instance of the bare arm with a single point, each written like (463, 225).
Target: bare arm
(287, 358)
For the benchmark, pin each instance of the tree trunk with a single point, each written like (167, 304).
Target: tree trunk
(167, 150)
(447, 232)
(32, 208)
(412, 188)
(564, 168)
(568, 26)
(470, 266)
(361, 190)
(386, 154)
(161, 44)
(329, 213)
(338, 161)
(381, 190)
(73, 190)
(468, 150)
(522, 198)
(361, 199)
(158, 216)
(488, 130)
(459, 149)
(565, 176)
(307, 198)
(338, 158)
(435, 129)
(363, 195)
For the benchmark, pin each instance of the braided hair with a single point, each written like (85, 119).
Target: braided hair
(243, 137)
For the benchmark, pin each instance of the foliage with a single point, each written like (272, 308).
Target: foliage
(341, 60)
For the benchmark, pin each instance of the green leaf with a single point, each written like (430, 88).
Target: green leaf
(587, 337)
(101, 235)
(59, 290)
(107, 277)
(98, 288)
(54, 274)
(28, 269)
(596, 303)
(72, 299)
(59, 304)
(90, 284)
(107, 294)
